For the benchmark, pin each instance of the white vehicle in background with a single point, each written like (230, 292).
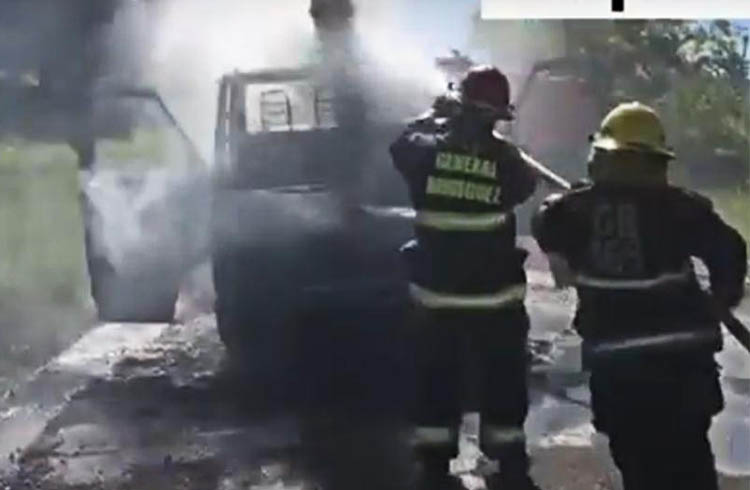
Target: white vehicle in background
(145, 195)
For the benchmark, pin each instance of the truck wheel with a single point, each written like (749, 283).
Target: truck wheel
(121, 298)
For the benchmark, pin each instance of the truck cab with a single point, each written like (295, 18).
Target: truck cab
(308, 217)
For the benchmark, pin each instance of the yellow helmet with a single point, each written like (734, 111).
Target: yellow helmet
(632, 126)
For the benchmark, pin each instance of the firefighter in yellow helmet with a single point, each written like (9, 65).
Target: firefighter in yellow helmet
(649, 334)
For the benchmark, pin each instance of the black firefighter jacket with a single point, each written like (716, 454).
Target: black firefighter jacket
(630, 249)
(464, 184)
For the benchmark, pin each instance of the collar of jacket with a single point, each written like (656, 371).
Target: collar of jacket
(627, 168)
(470, 127)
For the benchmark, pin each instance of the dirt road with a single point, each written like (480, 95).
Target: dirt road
(155, 406)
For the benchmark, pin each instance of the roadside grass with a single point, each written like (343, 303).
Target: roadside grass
(143, 149)
(43, 282)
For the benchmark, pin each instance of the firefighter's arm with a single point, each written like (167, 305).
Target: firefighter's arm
(409, 150)
(722, 249)
(547, 224)
(548, 228)
(516, 179)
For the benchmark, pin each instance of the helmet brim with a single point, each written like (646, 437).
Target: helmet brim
(611, 144)
(503, 113)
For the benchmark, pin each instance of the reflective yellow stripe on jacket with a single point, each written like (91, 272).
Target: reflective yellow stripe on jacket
(449, 221)
(433, 436)
(434, 299)
(661, 280)
(671, 339)
(498, 435)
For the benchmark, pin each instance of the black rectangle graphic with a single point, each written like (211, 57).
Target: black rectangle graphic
(618, 5)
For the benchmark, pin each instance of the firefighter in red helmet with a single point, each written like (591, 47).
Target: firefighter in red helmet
(467, 278)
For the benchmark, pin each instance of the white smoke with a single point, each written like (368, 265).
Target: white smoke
(197, 41)
(190, 44)
(401, 41)
(183, 48)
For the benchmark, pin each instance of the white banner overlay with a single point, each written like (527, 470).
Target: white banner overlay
(631, 9)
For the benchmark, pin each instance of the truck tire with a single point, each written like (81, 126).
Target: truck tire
(144, 296)
(119, 298)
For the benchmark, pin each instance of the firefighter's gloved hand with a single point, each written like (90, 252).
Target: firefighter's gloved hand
(561, 271)
(446, 105)
(726, 297)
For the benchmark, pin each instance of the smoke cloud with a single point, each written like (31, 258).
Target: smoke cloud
(183, 48)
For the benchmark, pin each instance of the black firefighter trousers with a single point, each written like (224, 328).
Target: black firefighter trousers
(472, 360)
(656, 414)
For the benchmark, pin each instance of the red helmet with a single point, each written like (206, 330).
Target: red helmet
(487, 87)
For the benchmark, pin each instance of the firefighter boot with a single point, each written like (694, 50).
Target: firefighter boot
(514, 467)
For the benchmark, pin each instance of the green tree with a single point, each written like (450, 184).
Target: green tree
(694, 72)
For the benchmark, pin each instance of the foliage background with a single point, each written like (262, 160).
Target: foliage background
(694, 73)
(44, 299)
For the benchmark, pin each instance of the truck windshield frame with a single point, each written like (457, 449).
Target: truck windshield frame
(297, 105)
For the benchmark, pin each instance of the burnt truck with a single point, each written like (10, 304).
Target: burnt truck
(307, 219)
